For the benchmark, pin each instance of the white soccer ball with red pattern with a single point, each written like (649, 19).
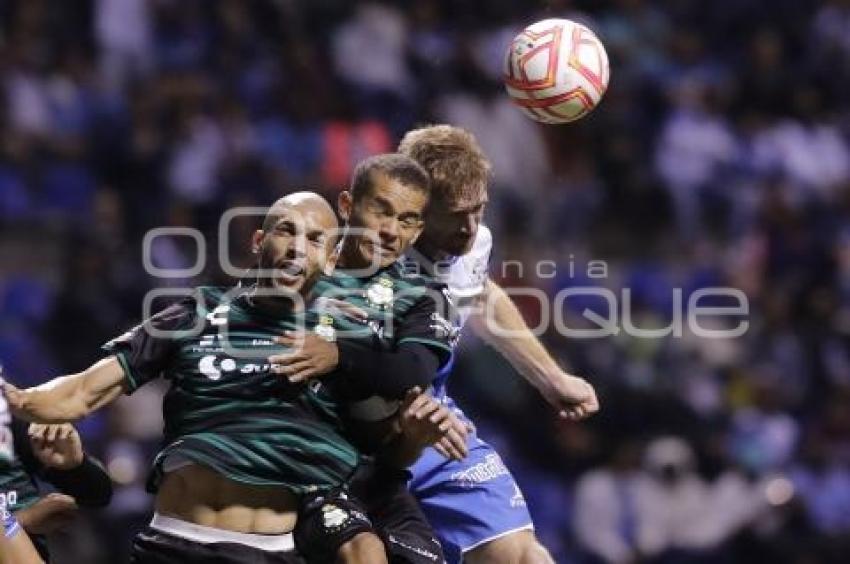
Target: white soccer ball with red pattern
(556, 71)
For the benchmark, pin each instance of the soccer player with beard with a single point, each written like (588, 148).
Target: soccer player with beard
(242, 448)
(474, 504)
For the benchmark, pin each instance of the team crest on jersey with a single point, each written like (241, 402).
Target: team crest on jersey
(325, 328)
(380, 294)
(333, 516)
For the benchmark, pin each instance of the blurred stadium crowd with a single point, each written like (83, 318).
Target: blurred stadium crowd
(720, 156)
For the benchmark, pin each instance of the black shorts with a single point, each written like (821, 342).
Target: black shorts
(376, 501)
(155, 547)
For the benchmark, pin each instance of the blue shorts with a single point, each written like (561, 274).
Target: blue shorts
(470, 502)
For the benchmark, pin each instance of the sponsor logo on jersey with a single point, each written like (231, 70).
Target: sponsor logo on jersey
(218, 316)
(415, 549)
(214, 342)
(212, 368)
(490, 469)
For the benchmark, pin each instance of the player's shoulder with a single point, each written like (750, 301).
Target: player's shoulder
(468, 274)
(212, 295)
(483, 244)
(203, 300)
(207, 299)
(411, 274)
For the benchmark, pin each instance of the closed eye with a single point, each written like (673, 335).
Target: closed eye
(285, 227)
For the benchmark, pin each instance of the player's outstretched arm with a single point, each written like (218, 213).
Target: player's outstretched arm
(507, 332)
(69, 398)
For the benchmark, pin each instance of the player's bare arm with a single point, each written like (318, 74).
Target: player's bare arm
(15, 544)
(69, 398)
(51, 513)
(507, 332)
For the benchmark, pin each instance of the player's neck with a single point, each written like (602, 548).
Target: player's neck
(350, 256)
(430, 252)
(275, 305)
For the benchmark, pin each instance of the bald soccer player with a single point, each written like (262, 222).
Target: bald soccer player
(242, 446)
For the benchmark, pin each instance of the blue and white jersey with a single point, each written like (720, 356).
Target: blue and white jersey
(476, 500)
(465, 277)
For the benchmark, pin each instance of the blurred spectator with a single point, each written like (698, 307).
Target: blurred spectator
(810, 151)
(369, 55)
(123, 32)
(683, 518)
(695, 147)
(606, 509)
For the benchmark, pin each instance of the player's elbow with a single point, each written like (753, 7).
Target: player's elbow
(417, 367)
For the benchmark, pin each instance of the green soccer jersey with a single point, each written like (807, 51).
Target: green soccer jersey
(404, 306)
(224, 409)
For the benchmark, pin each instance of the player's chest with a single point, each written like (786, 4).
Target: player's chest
(386, 303)
(232, 347)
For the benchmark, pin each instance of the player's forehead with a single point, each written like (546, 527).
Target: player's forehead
(396, 194)
(302, 217)
(467, 200)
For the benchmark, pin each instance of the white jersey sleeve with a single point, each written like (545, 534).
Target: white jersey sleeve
(467, 276)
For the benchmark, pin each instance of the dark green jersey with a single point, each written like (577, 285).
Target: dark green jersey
(404, 306)
(224, 409)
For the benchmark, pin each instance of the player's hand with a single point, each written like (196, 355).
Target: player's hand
(424, 421)
(56, 446)
(453, 444)
(310, 356)
(340, 308)
(52, 512)
(573, 397)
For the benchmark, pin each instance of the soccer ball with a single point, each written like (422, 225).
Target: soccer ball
(556, 71)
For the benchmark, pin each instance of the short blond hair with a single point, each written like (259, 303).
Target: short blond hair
(458, 168)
